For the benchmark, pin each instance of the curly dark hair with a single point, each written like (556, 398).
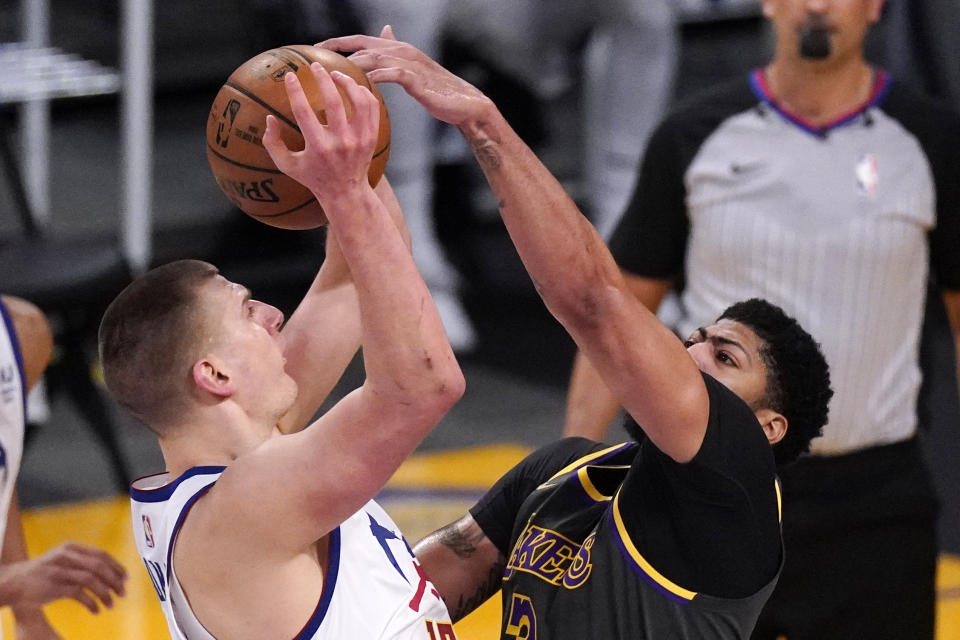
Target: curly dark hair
(798, 378)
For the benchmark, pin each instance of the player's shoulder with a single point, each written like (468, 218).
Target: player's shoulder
(27, 318)
(568, 450)
(557, 457)
(32, 335)
(725, 401)
(734, 436)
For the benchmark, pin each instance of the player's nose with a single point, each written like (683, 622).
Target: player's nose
(270, 317)
(276, 320)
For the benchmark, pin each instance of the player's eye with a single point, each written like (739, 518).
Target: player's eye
(725, 358)
(689, 342)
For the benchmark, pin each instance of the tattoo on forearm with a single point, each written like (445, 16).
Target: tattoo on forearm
(464, 539)
(487, 588)
(483, 142)
(487, 156)
(461, 542)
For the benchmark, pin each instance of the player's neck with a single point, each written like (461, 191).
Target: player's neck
(205, 440)
(819, 92)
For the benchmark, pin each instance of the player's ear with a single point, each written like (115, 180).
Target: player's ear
(210, 376)
(774, 425)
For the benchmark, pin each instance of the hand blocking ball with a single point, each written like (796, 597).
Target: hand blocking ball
(241, 165)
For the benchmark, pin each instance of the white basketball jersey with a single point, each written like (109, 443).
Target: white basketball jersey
(12, 414)
(374, 587)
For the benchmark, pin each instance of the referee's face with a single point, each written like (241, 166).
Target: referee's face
(730, 352)
(821, 30)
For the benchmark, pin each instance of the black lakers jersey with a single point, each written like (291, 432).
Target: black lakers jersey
(622, 542)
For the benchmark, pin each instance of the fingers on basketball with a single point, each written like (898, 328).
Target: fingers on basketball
(238, 137)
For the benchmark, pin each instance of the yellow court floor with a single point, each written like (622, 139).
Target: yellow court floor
(429, 491)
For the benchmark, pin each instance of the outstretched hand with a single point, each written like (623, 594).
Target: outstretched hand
(385, 59)
(337, 155)
(90, 576)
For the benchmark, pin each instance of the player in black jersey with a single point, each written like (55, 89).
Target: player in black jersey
(588, 540)
(675, 536)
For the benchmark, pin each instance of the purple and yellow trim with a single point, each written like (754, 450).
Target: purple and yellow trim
(589, 488)
(640, 564)
(595, 457)
(776, 487)
(644, 568)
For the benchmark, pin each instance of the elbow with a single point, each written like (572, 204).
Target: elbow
(437, 389)
(582, 297)
(446, 391)
(458, 387)
(441, 376)
(422, 392)
(585, 309)
(449, 388)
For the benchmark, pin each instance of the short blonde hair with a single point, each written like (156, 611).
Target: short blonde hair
(148, 339)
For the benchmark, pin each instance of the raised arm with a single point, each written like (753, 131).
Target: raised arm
(323, 333)
(321, 337)
(590, 405)
(643, 363)
(294, 489)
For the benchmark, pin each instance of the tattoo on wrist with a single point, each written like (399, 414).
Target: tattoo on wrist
(483, 142)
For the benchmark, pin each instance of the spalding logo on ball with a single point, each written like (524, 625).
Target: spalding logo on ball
(241, 165)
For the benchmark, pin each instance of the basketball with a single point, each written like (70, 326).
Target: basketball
(241, 165)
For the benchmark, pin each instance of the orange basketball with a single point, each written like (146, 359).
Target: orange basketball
(241, 165)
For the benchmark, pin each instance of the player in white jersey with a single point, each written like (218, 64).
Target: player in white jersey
(13, 390)
(71, 570)
(374, 587)
(261, 529)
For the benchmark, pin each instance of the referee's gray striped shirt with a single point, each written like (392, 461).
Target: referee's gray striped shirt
(831, 224)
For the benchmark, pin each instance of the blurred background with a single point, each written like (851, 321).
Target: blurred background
(104, 172)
